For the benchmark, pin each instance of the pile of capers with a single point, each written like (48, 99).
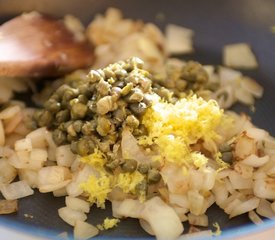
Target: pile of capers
(92, 111)
(180, 80)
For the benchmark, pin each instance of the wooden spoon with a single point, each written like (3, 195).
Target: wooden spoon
(35, 45)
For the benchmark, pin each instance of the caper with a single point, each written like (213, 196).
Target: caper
(143, 168)
(142, 186)
(104, 105)
(59, 137)
(120, 84)
(78, 111)
(31, 125)
(153, 176)
(88, 128)
(60, 91)
(213, 86)
(94, 76)
(45, 119)
(112, 165)
(119, 114)
(104, 126)
(225, 147)
(181, 84)
(227, 157)
(71, 131)
(116, 91)
(74, 147)
(135, 62)
(62, 116)
(71, 138)
(132, 78)
(125, 90)
(77, 125)
(138, 108)
(194, 72)
(91, 106)
(135, 95)
(37, 114)
(121, 73)
(145, 84)
(82, 99)
(132, 121)
(86, 89)
(85, 147)
(130, 165)
(52, 105)
(69, 94)
(109, 73)
(103, 87)
(101, 72)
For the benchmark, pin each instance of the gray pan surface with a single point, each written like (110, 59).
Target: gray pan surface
(216, 23)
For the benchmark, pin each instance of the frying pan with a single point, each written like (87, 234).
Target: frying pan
(216, 23)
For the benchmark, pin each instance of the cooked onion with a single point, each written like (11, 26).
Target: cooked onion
(70, 216)
(83, 230)
(16, 190)
(8, 206)
(77, 204)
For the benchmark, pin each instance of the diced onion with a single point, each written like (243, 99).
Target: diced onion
(83, 230)
(7, 171)
(239, 55)
(264, 209)
(23, 145)
(244, 207)
(16, 190)
(2, 134)
(70, 216)
(64, 156)
(201, 220)
(8, 206)
(77, 204)
(37, 158)
(255, 218)
(37, 138)
(9, 112)
(30, 176)
(179, 39)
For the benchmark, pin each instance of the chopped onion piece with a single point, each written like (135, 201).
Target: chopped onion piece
(23, 145)
(244, 207)
(83, 230)
(37, 158)
(255, 218)
(255, 161)
(238, 182)
(7, 171)
(37, 138)
(16, 190)
(264, 209)
(239, 55)
(2, 134)
(30, 176)
(146, 227)
(77, 204)
(61, 192)
(179, 39)
(8, 206)
(64, 156)
(201, 220)
(9, 112)
(252, 86)
(70, 216)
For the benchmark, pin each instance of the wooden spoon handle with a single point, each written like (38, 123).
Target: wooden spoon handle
(35, 45)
